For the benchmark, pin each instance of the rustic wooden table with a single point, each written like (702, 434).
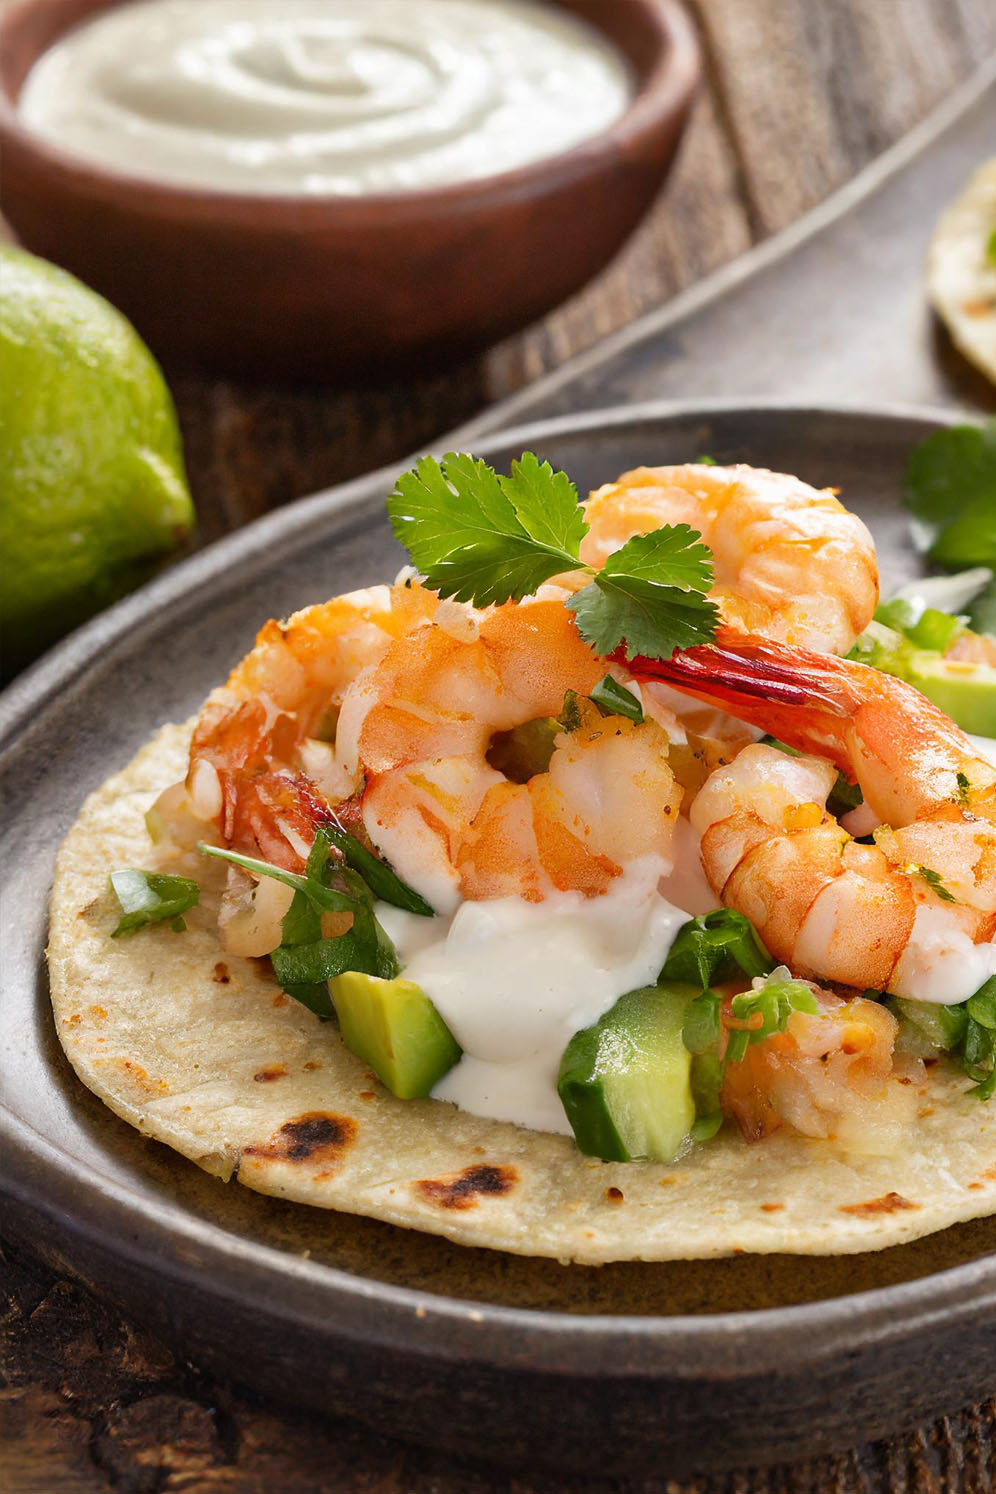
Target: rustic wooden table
(798, 95)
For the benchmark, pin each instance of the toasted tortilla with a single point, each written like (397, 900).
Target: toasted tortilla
(961, 277)
(205, 1053)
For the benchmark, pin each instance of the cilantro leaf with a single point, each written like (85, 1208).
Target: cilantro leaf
(379, 877)
(485, 539)
(649, 620)
(650, 596)
(991, 248)
(325, 899)
(951, 487)
(151, 897)
(305, 960)
(545, 503)
(714, 947)
(982, 609)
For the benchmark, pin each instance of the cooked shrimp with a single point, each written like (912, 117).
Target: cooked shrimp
(258, 760)
(414, 691)
(831, 1074)
(791, 563)
(451, 822)
(913, 914)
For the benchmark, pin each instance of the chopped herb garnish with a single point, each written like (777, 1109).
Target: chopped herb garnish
(963, 788)
(966, 1031)
(773, 1004)
(982, 609)
(382, 881)
(843, 797)
(151, 897)
(616, 700)
(982, 1006)
(933, 880)
(714, 947)
(570, 712)
(325, 899)
(705, 461)
(704, 1128)
(951, 488)
(305, 959)
(486, 538)
(991, 248)
(702, 1030)
(979, 1045)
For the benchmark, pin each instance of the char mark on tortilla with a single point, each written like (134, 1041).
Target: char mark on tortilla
(461, 1191)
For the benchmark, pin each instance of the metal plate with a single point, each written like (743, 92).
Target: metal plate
(698, 1365)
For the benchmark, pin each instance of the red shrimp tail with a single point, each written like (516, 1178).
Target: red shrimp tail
(799, 696)
(273, 815)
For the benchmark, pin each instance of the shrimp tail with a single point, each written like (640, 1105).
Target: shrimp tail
(783, 690)
(814, 702)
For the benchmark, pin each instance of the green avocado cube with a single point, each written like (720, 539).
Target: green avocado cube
(394, 1027)
(967, 692)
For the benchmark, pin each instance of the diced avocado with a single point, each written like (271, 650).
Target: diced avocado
(394, 1027)
(967, 692)
(625, 1083)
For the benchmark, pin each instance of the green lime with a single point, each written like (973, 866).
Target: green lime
(92, 483)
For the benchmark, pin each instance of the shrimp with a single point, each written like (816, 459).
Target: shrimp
(413, 693)
(832, 1074)
(420, 727)
(913, 914)
(260, 760)
(791, 563)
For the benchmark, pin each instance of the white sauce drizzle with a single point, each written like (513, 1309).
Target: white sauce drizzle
(940, 963)
(345, 97)
(514, 981)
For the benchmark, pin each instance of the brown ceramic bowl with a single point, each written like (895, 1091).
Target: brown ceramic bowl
(303, 288)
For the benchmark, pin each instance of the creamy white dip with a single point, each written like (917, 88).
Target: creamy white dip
(514, 981)
(325, 96)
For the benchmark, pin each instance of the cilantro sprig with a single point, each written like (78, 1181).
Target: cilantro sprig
(483, 537)
(951, 490)
(306, 959)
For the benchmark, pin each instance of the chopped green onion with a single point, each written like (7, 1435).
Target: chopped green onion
(616, 700)
(701, 1030)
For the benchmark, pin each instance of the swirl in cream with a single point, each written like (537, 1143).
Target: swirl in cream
(324, 96)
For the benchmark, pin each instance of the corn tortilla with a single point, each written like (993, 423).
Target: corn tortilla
(203, 1052)
(961, 274)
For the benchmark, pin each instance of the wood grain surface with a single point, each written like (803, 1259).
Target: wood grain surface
(798, 96)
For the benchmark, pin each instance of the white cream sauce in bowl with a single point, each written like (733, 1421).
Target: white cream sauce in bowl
(325, 97)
